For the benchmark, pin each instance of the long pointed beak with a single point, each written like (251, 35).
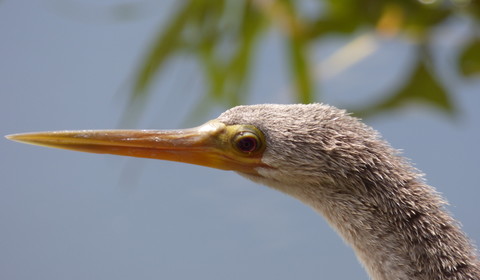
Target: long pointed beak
(205, 145)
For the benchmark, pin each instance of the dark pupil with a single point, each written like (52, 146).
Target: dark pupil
(247, 144)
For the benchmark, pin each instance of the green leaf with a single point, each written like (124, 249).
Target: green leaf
(421, 87)
(213, 69)
(298, 43)
(240, 64)
(469, 61)
(226, 66)
(164, 46)
(301, 69)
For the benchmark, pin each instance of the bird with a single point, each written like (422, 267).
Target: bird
(368, 192)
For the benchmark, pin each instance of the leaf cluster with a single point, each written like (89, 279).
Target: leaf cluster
(223, 37)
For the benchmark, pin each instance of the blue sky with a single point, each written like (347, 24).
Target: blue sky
(67, 215)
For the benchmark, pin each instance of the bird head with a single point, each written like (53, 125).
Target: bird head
(267, 143)
(308, 144)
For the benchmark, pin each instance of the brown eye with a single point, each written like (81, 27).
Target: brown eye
(247, 142)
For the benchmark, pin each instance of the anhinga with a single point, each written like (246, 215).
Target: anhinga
(373, 197)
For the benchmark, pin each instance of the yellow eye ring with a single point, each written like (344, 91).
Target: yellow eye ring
(247, 142)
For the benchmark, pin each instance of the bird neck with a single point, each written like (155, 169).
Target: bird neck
(404, 233)
(398, 226)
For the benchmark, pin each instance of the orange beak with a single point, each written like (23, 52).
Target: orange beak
(206, 145)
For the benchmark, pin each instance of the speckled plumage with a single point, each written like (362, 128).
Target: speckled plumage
(373, 197)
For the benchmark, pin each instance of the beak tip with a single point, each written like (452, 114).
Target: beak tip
(16, 138)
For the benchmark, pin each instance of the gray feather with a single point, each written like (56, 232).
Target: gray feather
(373, 197)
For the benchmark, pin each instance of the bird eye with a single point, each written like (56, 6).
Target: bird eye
(247, 142)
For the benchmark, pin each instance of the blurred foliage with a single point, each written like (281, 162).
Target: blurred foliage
(469, 61)
(223, 36)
